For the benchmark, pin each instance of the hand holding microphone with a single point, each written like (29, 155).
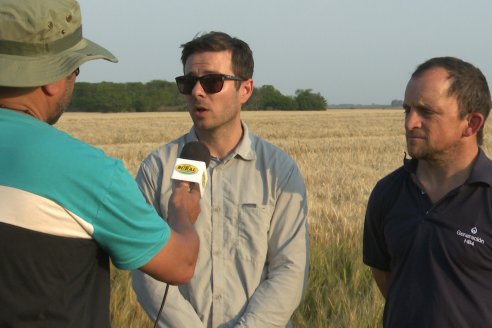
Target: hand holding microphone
(190, 169)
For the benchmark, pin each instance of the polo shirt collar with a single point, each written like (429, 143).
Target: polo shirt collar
(244, 149)
(481, 170)
(409, 164)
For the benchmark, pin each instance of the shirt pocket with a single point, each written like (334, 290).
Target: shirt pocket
(253, 227)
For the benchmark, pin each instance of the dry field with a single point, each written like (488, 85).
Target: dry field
(341, 153)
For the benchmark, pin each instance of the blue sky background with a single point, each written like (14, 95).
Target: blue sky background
(350, 51)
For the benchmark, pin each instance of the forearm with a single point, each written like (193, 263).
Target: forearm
(185, 236)
(182, 214)
(382, 279)
(175, 262)
(275, 300)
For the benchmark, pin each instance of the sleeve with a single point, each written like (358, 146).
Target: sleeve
(127, 227)
(374, 250)
(147, 180)
(277, 297)
(177, 312)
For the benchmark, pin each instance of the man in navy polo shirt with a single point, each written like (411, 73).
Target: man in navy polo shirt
(428, 226)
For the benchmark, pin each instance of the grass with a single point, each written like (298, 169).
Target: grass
(341, 153)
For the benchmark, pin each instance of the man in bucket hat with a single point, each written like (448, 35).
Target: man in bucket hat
(66, 207)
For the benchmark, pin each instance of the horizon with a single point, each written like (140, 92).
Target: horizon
(351, 52)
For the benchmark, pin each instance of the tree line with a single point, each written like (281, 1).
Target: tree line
(158, 96)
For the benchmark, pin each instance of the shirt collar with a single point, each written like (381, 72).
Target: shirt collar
(244, 149)
(409, 164)
(481, 170)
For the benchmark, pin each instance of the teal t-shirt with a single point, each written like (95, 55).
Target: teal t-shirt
(43, 165)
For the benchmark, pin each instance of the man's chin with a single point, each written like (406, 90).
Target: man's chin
(415, 153)
(420, 155)
(54, 119)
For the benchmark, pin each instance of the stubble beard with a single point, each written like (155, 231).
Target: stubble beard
(426, 152)
(214, 125)
(61, 107)
(56, 116)
(419, 152)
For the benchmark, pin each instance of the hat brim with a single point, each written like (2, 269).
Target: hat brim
(24, 71)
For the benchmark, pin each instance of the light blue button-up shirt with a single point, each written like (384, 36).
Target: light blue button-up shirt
(253, 260)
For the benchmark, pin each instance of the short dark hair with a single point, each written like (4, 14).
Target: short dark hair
(241, 55)
(468, 85)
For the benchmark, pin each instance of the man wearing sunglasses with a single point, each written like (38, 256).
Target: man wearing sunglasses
(253, 259)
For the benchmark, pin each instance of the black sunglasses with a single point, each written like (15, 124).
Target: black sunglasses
(211, 83)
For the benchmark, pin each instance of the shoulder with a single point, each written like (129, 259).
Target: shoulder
(267, 152)
(276, 163)
(481, 169)
(390, 186)
(392, 179)
(55, 150)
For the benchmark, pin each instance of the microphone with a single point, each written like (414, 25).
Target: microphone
(192, 163)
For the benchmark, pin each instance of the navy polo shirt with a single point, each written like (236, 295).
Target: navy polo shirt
(439, 256)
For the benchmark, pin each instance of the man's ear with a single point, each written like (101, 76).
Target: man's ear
(246, 90)
(475, 122)
(54, 88)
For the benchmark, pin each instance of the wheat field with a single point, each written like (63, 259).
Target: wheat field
(341, 153)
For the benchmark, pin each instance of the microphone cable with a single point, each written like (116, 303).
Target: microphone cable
(162, 306)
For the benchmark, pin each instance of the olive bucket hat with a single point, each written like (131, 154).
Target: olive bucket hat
(41, 42)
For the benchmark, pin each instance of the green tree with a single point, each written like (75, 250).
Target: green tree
(396, 103)
(126, 97)
(307, 100)
(82, 99)
(112, 97)
(160, 95)
(269, 98)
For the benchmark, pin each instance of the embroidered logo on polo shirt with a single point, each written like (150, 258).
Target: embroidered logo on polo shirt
(470, 239)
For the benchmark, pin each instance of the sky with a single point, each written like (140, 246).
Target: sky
(350, 51)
